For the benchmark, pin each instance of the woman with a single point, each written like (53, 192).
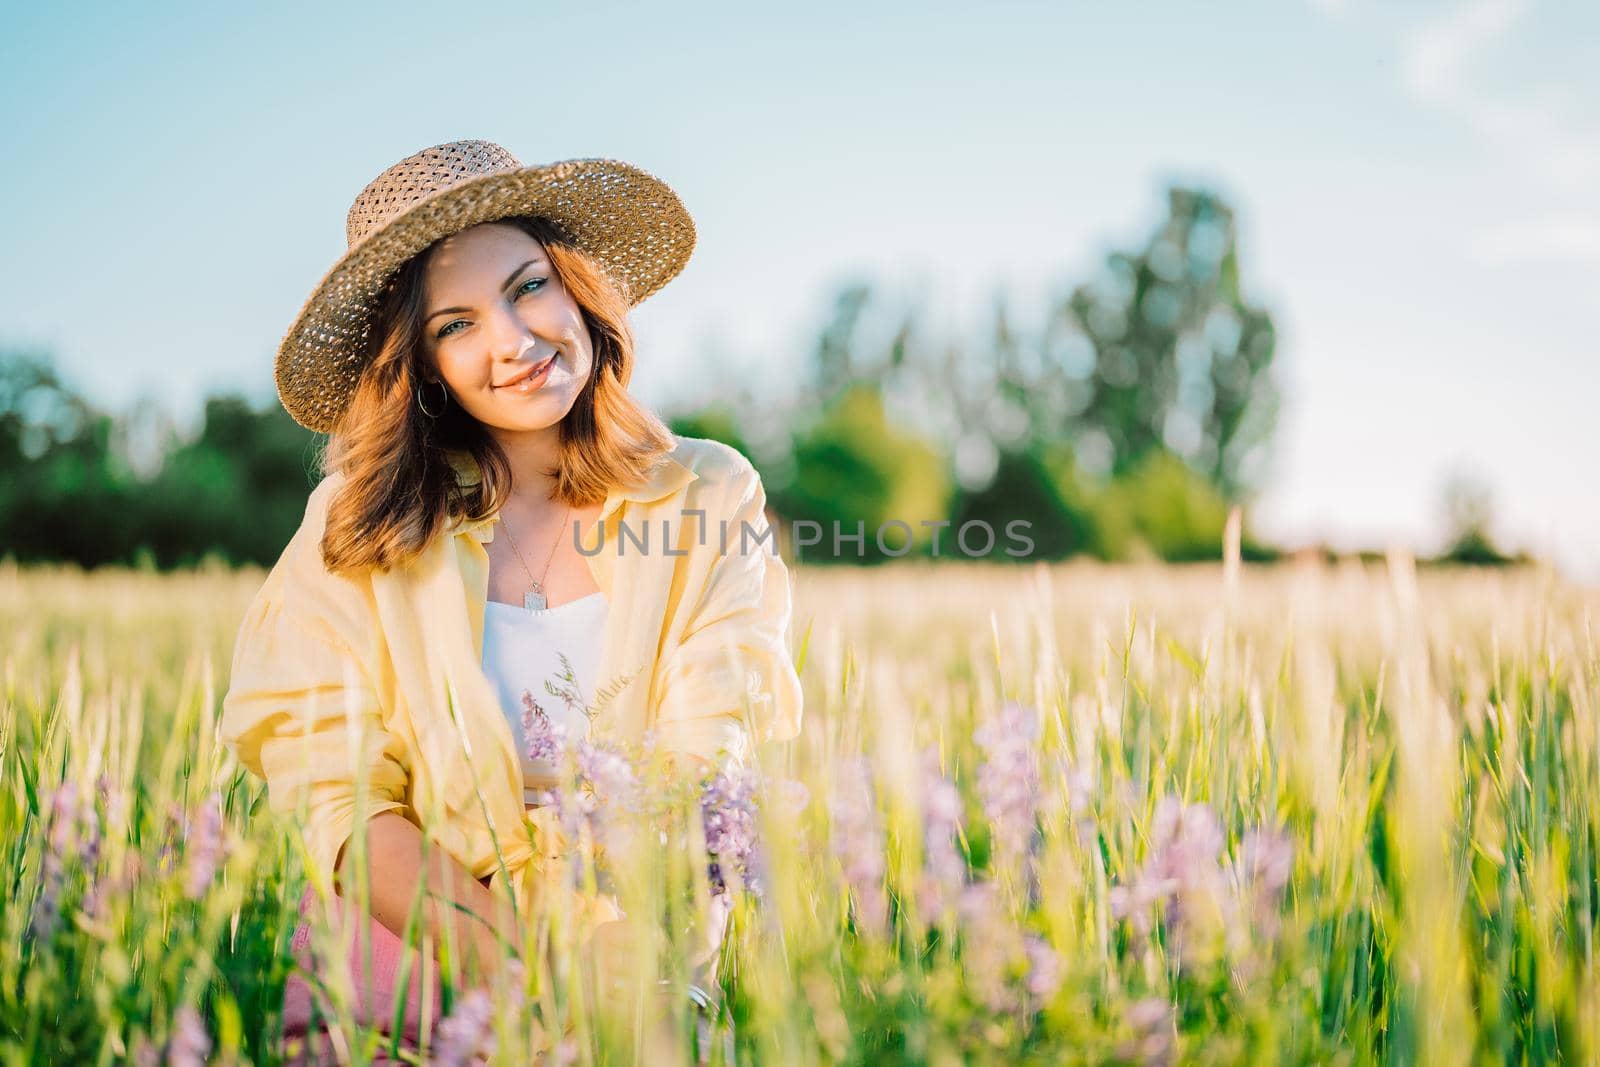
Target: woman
(496, 513)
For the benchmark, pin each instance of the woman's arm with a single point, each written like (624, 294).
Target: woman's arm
(730, 680)
(395, 877)
(302, 713)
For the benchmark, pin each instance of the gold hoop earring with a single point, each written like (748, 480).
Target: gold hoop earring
(445, 403)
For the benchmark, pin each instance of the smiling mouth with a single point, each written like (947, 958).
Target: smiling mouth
(532, 372)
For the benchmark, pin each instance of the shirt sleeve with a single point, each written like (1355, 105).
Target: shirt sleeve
(731, 677)
(301, 713)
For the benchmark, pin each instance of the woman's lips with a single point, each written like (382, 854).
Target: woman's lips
(536, 372)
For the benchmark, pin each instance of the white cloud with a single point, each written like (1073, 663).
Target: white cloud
(1437, 55)
(1535, 131)
(1569, 239)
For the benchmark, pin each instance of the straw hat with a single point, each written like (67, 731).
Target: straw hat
(627, 219)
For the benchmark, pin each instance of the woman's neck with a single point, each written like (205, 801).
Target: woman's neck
(532, 454)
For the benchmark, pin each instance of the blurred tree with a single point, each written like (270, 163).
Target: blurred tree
(61, 498)
(1130, 422)
(239, 487)
(1468, 505)
(37, 411)
(1034, 486)
(1162, 353)
(1164, 509)
(836, 365)
(237, 490)
(717, 422)
(853, 468)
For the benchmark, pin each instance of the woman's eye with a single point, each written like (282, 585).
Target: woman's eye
(532, 285)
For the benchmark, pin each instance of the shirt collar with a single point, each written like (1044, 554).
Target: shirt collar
(665, 478)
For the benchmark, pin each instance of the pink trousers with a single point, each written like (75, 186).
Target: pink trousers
(308, 1044)
(305, 1043)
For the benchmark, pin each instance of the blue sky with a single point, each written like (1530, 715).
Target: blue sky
(1416, 185)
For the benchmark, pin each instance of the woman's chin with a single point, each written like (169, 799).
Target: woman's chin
(523, 422)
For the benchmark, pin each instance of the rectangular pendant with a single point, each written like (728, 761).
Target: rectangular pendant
(533, 601)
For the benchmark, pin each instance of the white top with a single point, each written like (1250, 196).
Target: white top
(522, 651)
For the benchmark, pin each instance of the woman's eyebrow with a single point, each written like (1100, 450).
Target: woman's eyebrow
(462, 311)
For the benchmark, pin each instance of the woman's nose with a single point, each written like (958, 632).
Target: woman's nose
(510, 336)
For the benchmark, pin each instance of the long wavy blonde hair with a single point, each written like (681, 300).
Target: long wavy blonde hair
(400, 488)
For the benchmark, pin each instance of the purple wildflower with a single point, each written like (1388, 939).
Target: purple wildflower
(858, 841)
(145, 1053)
(1261, 873)
(116, 884)
(728, 812)
(944, 871)
(1044, 968)
(96, 902)
(1187, 837)
(206, 847)
(649, 748)
(544, 738)
(608, 791)
(1008, 781)
(1154, 1038)
(190, 1044)
(607, 776)
(73, 830)
(989, 944)
(1189, 843)
(793, 793)
(116, 801)
(174, 828)
(1266, 859)
(1071, 793)
(1133, 900)
(466, 1032)
(1183, 874)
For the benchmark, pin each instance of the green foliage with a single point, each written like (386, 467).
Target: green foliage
(715, 422)
(855, 470)
(1031, 487)
(1270, 833)
(236, 491)
(1468, 509)
(1126, 424)
(1162, 509)
(239, 488)
(1179, 355)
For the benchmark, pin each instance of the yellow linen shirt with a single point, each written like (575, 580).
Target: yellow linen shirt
(342, 687)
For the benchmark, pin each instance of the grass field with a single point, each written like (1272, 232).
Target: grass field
(1075, 814)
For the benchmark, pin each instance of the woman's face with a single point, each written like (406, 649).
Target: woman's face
(494, 312)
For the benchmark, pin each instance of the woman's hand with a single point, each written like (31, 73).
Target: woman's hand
(685, 766)
(482, 921)
(494, 952)
(613, 947)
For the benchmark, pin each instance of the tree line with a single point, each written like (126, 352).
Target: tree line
(1125, 424)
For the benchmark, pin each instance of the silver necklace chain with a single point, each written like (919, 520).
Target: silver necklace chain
(535, 599)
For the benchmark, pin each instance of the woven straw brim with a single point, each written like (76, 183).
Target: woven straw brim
(627, 219)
